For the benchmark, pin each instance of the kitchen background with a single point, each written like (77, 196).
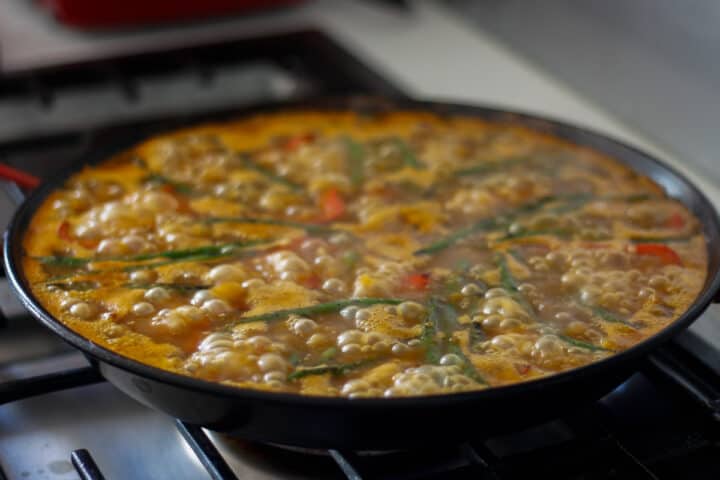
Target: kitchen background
(644, 71)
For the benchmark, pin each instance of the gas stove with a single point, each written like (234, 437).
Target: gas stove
(59, 420)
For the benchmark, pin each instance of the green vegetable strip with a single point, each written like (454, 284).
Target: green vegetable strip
(428, 338)
(179, 187)
(250, 165)
(448, 317)
(328, 354)
(580, 344)
(62, 261)
(170, 286)
(509, 282)
(440, 324)
(308, 227)
(661, 239)
(335, 370)
(318, 309)
(554, 232)
(408, 156)
(224, 249)
(484, 226)
(79, 286)
(356, 161)
(607, 315)
(448, 241)
(574, 202)
(477, 335)
(468, 368)
(193, 258)
(486, 168)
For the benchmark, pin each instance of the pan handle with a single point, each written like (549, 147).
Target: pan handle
(12, 183)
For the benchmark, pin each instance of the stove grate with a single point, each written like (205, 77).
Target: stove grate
(205, 451)
(618, 437)
(85, 465)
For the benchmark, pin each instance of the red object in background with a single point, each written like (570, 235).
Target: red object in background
(111, 13)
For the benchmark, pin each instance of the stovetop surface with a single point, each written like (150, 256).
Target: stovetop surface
(660, 424)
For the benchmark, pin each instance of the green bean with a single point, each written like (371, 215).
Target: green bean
(308, 227)
(250, 165)
(490, 167)
(356, 161)
(438, 327)
(170, 286)
(408, 156)
(607, 315)
(79, 286)
(468, 368)
(485, 225)
(205, 250)
(476, 335)
(318, 309)
(680, 238)
(555, 232)
(335, 370)
(580, 344)
(179, 187)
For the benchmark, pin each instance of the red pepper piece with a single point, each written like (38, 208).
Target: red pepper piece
(312, 281)
(183, 202)
(676, 221)
(666, 254)
(522, 368)
(418, 281)
(333, 205)
(298, 141)
(63, 232)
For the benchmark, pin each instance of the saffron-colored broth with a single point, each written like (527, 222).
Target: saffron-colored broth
(337, 254)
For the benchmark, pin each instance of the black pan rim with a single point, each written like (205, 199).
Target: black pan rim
(12, 252)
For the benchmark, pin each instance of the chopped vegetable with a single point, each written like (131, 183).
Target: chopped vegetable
(180, 187)
(328, 354)
(250, 165)
(477, 335)
(468, 368)
(64, 231)
(308, 227)
(553, 232)
(408, 156)
(319, 309)
(210, 251)
(666, 254)
(580, 344)
(485, 225)
(336, 370)
(608, 316)
(356, 161)
(491, 167)
(79, 286)
(181, 287)
(437, 330)
(676, 221)
(418, 281)
(297, 141)
(652, 240)
(333, 205)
